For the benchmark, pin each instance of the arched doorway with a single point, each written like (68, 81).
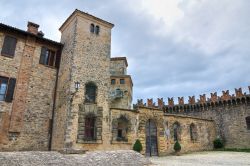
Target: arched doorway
(151, 138)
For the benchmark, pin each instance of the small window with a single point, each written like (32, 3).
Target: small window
(97, 30)
(122, 129)
(48, 57)
(193, 132)
(90, 93)
(122, 81)
(248, 122)
(9, 46)
(113, 81)
(7, 86)
(92, 28)
(90, 129)
(177, 132)
(3, 88)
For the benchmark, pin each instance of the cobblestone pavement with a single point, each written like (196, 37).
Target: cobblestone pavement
(98, 158)
(205, 159)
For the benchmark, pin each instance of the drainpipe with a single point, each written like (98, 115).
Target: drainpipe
(54, 106)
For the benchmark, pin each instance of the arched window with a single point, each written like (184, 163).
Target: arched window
(90, 127)
(122, 129)
(193, 132)
(248, 122)
(92, 28)
(97, 30)
(177, 131)
(90, 93)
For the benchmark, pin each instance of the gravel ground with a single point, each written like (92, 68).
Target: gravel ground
(98, 158)
(205, 159)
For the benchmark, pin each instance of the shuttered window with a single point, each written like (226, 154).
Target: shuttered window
(7, 87)
(9, 46)
(49, 58)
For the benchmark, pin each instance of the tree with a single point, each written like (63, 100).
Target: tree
(137, 146)
(177, 146)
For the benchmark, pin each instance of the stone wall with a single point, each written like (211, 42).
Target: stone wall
(25, 122)
(205, 129)
(206, 132)
(229, 111)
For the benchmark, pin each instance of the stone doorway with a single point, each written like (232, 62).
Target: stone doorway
(151, 138)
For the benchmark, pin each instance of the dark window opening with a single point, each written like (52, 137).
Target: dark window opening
(176, 131)
(122, 128)
(122, 81)
(92, 28)
(119, 133)
(48, 57)
(9, 46)
(90, 94)
(248, 122)
(90, 128)
(97, 30)
(193, 132)
(7, 87)
(112, 81)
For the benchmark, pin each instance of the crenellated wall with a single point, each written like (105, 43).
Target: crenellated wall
(229, 111)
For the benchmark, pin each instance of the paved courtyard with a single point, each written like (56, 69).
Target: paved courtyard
(123, 158)
(205, 159)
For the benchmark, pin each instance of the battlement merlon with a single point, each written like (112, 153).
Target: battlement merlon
(214, 99)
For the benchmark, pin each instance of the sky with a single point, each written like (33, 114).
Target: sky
(174, 48)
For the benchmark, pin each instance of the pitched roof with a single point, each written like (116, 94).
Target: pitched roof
(9, 28)
(89, 15)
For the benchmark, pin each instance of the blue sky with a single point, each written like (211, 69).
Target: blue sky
(174, 47)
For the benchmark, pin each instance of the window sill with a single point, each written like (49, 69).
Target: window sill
(89, 142)
(52, 67)
(8, 56)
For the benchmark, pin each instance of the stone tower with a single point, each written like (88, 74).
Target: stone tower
(83, 84)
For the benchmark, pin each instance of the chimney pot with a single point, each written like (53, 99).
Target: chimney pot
(32, 28)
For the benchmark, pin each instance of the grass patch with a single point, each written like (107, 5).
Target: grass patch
(233, 150)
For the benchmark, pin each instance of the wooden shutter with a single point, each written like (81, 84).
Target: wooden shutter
(10, 91)
(58, 59)
(43, 55)
(9, 46)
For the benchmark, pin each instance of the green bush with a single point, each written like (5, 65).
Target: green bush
(137, 146)
(218, 143)
(177, 146)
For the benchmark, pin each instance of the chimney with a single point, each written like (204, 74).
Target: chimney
(32, 28)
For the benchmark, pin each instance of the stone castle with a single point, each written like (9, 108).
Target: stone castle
(73, 96)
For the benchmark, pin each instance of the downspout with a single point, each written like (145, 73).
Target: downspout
(54, 105)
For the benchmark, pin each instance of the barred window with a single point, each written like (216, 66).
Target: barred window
(90, 93)
(90, 128)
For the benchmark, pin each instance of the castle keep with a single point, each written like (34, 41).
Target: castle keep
(72, 95)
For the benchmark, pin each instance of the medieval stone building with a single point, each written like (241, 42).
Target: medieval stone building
(72, 95)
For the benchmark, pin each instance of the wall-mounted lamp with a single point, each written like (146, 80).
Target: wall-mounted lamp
(77, 85)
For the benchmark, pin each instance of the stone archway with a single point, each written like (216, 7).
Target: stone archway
(151, 138)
